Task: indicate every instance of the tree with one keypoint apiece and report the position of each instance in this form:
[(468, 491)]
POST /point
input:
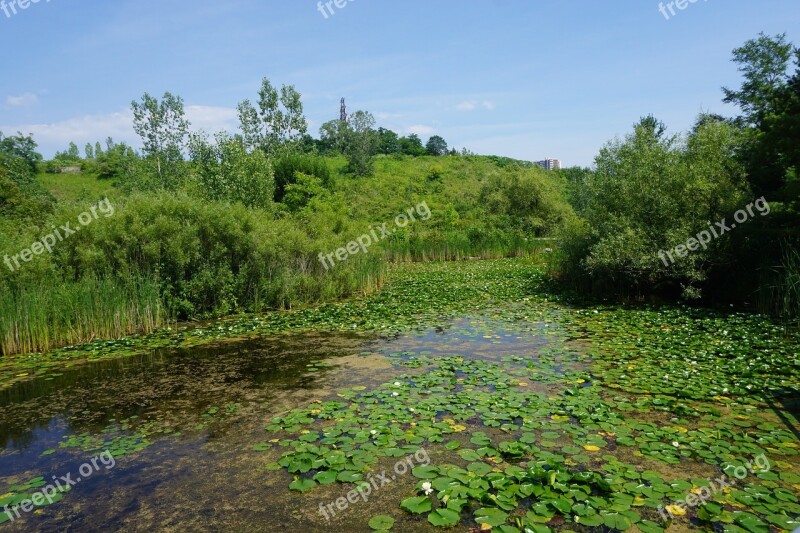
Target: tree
[(89, 151), (412, 145), (21, 146), (98, 150), (649, 194), (763, 62), (389, 142), (333, 136), (73, 153), (117, 163), (362, 143), (436, 146), (277, 123), (163, 127), (21, 195)]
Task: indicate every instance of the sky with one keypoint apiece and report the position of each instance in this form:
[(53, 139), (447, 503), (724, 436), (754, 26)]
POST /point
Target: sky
[(528, 79)]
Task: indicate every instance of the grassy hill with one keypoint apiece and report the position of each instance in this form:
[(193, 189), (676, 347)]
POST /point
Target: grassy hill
[(151, 257)]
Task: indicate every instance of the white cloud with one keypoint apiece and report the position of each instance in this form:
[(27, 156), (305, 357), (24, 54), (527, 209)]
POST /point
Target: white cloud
[(90, 128), (23, 100), (56, 136), (212, 119), (387, 116), (472, 105), (420, 129)]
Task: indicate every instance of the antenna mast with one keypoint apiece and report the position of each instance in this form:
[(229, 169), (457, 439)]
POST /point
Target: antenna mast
[(343, 112)]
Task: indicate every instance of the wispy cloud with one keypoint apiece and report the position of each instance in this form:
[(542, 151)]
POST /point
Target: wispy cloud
[(91, 128), (420, 129), (23, 100), (212, 119), (381, 115), (472, 105)]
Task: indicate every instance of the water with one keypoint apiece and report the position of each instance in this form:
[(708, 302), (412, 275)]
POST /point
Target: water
[(182, 425)]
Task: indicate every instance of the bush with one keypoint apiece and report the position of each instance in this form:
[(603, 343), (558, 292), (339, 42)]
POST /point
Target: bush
[(287, 168), (650, 193)]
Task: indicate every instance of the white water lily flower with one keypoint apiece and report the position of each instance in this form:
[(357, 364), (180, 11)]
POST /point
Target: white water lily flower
[(373, 432), (427, 488), (397, 383), (412, 409), (395, 394), (676, 444)]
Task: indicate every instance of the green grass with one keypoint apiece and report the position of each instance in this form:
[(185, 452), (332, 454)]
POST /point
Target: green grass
[(76, 187), (53, 314)]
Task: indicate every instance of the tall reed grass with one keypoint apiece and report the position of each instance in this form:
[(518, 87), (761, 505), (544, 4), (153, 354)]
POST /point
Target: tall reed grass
[(49, 315), (457, 247)]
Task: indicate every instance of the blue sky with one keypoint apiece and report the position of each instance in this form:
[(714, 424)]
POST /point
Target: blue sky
[(522, 78)]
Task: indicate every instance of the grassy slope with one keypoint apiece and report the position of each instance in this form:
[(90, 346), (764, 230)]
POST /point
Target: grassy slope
[(451, 186)]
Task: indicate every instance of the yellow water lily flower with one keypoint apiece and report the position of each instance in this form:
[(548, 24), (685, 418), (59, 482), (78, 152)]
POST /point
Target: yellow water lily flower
[(591, 448), (676, 510)]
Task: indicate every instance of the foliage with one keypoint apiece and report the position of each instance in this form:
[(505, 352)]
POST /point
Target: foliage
[(412, 145), (21, 146), (525, 201), (361, 143), (436, 146), (21, 197), (650, 193), (163, 128), (226, 170), (277, 123), (289, 166)]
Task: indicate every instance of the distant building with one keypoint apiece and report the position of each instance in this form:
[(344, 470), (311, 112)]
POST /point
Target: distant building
[(550, 164)]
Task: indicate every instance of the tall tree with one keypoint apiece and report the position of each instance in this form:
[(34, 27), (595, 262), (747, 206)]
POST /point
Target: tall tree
[(278, 123), (89, 151), (73, 152), (163, 127), (389, 141), (362, 143), (765, 99), (333, 136), (436, 146), (412, 145), (22, 146)]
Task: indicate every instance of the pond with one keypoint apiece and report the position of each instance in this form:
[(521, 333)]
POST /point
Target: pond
[(524, 415)]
